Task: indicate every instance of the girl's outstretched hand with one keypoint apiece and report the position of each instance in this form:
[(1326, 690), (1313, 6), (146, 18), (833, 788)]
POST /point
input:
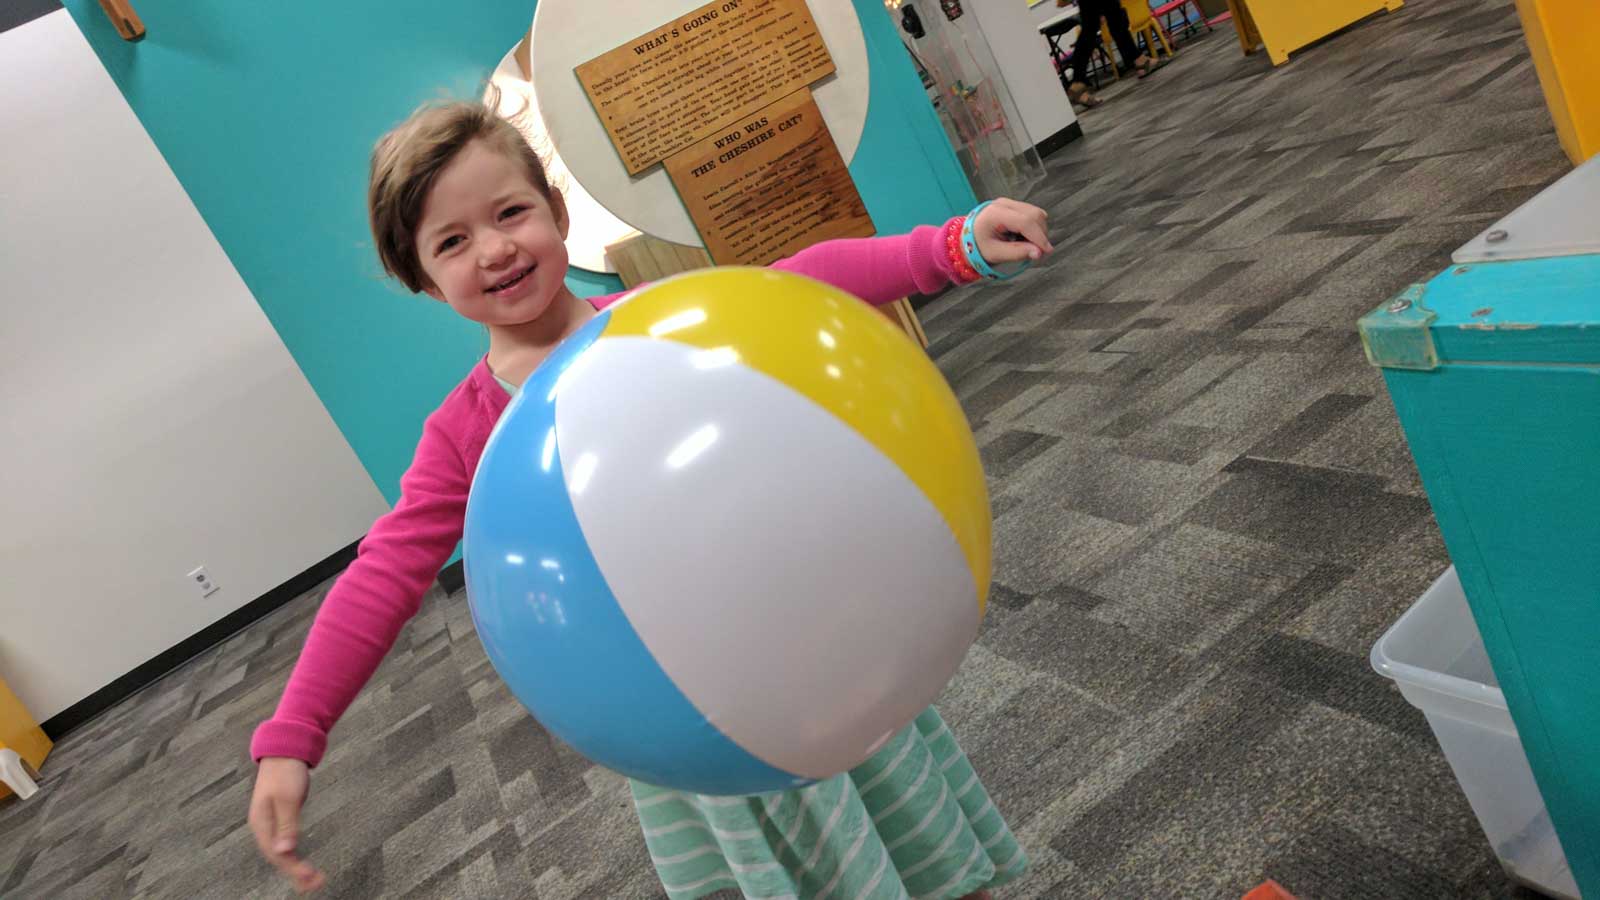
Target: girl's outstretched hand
[(281, 787), (1010, 231)]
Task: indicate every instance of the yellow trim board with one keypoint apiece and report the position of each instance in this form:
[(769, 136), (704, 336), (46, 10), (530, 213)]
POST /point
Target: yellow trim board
[(19, 732), (1284, 26), (1564, 40)]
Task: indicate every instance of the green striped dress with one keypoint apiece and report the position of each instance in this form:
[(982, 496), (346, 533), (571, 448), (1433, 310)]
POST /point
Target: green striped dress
[(912, 821)]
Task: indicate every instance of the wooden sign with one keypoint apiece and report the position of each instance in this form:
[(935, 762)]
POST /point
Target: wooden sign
[(770, 186), (700, 74)]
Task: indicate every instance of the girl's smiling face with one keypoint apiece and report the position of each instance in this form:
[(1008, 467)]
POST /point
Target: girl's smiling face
[(490, 242)]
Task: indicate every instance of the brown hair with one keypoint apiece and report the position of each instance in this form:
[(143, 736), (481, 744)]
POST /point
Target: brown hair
[(407, 161)]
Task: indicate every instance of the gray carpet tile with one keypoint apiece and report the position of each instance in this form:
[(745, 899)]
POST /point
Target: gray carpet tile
[(1205, 515)]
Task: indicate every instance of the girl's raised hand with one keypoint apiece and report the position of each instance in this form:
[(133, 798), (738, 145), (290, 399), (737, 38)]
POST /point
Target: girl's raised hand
[(1010, 231)]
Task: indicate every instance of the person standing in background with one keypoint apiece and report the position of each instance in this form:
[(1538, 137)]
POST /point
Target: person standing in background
[(1092, 12)]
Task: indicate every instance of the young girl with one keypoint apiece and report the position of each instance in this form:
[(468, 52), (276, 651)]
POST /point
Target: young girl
[(461, 210)]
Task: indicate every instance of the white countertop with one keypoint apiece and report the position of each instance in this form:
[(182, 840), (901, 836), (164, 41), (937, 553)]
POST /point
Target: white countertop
[(1066, 13)]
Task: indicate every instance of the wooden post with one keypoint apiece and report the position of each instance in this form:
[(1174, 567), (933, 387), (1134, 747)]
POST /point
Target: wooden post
[(643, 258), (127, 22), (901, 313)]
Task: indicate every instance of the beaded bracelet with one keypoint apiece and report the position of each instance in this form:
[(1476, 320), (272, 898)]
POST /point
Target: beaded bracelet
[(969, 243), (964, 272)]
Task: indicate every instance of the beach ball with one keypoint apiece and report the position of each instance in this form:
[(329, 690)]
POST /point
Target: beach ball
[(731, 536)]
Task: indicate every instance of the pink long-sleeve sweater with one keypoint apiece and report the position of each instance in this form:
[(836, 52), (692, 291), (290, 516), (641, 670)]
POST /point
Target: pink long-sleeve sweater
[(399, 558)]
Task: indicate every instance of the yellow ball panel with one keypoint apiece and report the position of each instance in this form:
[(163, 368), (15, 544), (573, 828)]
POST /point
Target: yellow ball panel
[(842, 355)]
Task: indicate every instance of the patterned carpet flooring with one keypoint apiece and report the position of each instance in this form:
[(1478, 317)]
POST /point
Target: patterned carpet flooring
[(1206, 515)]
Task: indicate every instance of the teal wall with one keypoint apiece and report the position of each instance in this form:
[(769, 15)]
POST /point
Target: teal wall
[(267, 111)]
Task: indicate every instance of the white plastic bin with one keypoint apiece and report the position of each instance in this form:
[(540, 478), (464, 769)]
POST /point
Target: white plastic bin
[(1436, 657)]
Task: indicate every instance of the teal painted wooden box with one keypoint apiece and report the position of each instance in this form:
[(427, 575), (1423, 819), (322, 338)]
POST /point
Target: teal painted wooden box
[(1494, 368)]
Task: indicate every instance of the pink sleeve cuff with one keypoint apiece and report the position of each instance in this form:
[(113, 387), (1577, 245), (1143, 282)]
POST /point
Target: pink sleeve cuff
[(296, 740), (929, 259)]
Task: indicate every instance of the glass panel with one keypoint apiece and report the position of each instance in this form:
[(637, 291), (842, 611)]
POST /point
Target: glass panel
[(1563, 220), (974, 103)]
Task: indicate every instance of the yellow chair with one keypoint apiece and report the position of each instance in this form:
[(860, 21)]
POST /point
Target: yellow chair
[(1140, 21), (22, 736)]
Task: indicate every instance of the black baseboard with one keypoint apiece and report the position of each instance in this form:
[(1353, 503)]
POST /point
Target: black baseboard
[(1060, 139), (210, 636), (453, 578)]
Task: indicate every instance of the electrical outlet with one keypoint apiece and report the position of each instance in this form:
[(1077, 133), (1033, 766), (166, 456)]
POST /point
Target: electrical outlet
[(202, 580)]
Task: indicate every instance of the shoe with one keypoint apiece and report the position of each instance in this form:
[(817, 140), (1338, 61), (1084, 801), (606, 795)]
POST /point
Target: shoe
[(1155, 63), (1083, 98)]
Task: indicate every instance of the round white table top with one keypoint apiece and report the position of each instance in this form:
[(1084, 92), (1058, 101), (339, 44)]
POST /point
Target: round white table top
[(567, 33)]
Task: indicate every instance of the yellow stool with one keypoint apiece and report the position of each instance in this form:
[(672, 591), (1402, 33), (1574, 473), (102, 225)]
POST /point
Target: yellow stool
[(20, 735)]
